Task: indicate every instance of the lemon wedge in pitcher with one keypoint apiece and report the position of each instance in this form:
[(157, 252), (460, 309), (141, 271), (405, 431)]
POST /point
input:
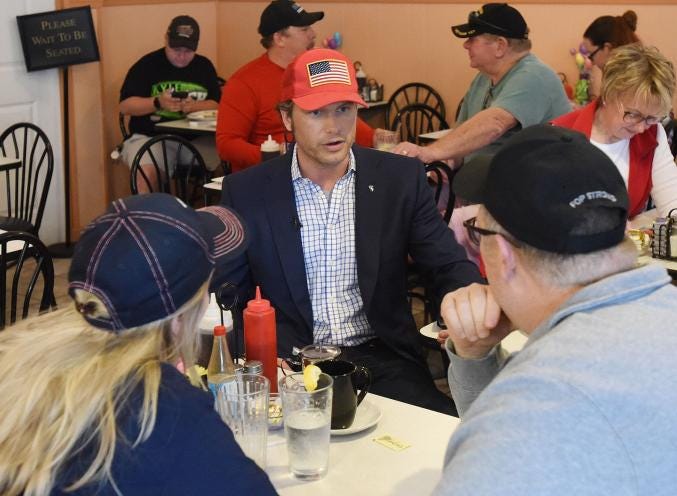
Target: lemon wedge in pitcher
[(310, 376)]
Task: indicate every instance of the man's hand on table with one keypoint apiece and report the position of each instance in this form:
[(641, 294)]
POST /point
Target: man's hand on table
[(475, 323)]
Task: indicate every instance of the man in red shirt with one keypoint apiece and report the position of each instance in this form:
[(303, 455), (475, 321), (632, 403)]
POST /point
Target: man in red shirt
[(248, 108)]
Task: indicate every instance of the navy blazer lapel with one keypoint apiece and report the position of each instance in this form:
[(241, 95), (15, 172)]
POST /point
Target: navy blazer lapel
[(285, 227), (369, 203)]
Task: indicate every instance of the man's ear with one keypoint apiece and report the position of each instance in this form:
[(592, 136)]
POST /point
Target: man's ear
[(279, 39), (507, 258), (286, 120), (502, 45)]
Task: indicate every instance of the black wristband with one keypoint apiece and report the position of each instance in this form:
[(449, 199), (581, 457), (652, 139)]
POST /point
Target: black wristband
[(156, 103)]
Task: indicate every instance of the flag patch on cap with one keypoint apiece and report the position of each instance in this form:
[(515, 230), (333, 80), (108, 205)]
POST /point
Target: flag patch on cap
[(328, 72)]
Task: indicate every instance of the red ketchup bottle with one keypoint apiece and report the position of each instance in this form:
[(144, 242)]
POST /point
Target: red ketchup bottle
[(260, 336)]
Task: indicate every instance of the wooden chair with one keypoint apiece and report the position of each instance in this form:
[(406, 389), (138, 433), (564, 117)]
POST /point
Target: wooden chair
[(411, 93), (188, 177), (26, 259), (26, 184), (413, 120)]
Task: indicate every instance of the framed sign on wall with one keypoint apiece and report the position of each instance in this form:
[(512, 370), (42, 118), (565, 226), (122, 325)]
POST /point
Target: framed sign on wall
[(58, 38)]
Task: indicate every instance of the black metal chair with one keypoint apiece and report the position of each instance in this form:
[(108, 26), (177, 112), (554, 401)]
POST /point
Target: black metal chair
[(440, 176), (411, 93), (26, 184), (458, 109), (123, 122), (416, 119), (190, 172), (26, 259), (420, 281), (670, 126)]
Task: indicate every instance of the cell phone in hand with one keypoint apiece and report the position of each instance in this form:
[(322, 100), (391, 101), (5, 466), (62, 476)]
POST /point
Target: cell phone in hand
[(182, 95)]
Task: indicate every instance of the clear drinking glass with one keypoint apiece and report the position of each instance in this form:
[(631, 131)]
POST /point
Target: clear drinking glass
[(243, 406), (307, 420)]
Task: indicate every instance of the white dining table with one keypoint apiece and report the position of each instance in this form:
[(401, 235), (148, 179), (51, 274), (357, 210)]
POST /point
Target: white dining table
[(360, 465), (187, 126)]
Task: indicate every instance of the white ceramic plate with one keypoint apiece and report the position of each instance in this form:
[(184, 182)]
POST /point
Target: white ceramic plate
[(202, 115), (431, 330), (367, 416)]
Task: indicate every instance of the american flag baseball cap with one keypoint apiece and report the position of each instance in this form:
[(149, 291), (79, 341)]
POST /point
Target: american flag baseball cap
[(320, 77), (148, 255)]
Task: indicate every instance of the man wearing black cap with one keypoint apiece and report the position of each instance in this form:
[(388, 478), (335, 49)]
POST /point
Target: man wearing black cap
[(167, 84), (248, 109), (513, 89), (588, 406)]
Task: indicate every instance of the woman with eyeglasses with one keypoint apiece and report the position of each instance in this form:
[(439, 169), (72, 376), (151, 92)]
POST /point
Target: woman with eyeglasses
[(625, 123), (91, 396), (607, 33)]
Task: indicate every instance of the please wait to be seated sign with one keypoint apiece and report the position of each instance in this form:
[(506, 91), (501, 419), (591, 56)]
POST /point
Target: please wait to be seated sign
[(58, 38)]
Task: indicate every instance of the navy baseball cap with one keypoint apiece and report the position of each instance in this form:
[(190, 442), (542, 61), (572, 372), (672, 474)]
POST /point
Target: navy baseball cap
[(544, 185), (148, 255)]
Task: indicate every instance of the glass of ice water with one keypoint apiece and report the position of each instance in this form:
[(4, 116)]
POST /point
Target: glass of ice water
[(307, 420), (243, 406)]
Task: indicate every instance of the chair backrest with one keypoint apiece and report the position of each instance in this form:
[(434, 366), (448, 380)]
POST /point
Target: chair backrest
[(123, 122), (412, 93), (670, 126), (440, 176), (416, 119), (24, 261), (190, 172), (27, 186), (458, 109)]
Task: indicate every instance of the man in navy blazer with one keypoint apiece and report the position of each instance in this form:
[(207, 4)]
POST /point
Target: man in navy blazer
[(331, 225)]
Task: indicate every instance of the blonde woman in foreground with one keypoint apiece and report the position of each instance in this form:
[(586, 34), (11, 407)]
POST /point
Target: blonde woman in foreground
[(625, 123), (97, 406)]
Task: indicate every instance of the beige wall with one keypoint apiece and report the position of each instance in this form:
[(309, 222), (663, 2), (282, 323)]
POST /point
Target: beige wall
[(396, 42), (399, 43)]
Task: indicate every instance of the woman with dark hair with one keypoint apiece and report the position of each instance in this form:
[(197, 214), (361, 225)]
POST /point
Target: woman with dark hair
[(609, 32)]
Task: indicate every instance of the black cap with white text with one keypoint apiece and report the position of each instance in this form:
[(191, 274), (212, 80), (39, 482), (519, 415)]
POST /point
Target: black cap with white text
[(545, 185)]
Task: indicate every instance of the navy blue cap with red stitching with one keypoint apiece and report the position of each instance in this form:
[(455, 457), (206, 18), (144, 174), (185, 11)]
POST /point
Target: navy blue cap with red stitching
[(148, 255)]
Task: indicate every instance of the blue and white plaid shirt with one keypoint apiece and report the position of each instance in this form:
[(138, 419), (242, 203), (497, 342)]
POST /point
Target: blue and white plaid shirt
[(328, 238)]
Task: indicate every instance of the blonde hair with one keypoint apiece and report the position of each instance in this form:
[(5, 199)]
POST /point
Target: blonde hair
[(63, 382), (565, 270), (641, 71)]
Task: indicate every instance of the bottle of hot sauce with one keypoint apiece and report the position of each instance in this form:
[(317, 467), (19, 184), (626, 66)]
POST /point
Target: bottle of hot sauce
[(260, 336)]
